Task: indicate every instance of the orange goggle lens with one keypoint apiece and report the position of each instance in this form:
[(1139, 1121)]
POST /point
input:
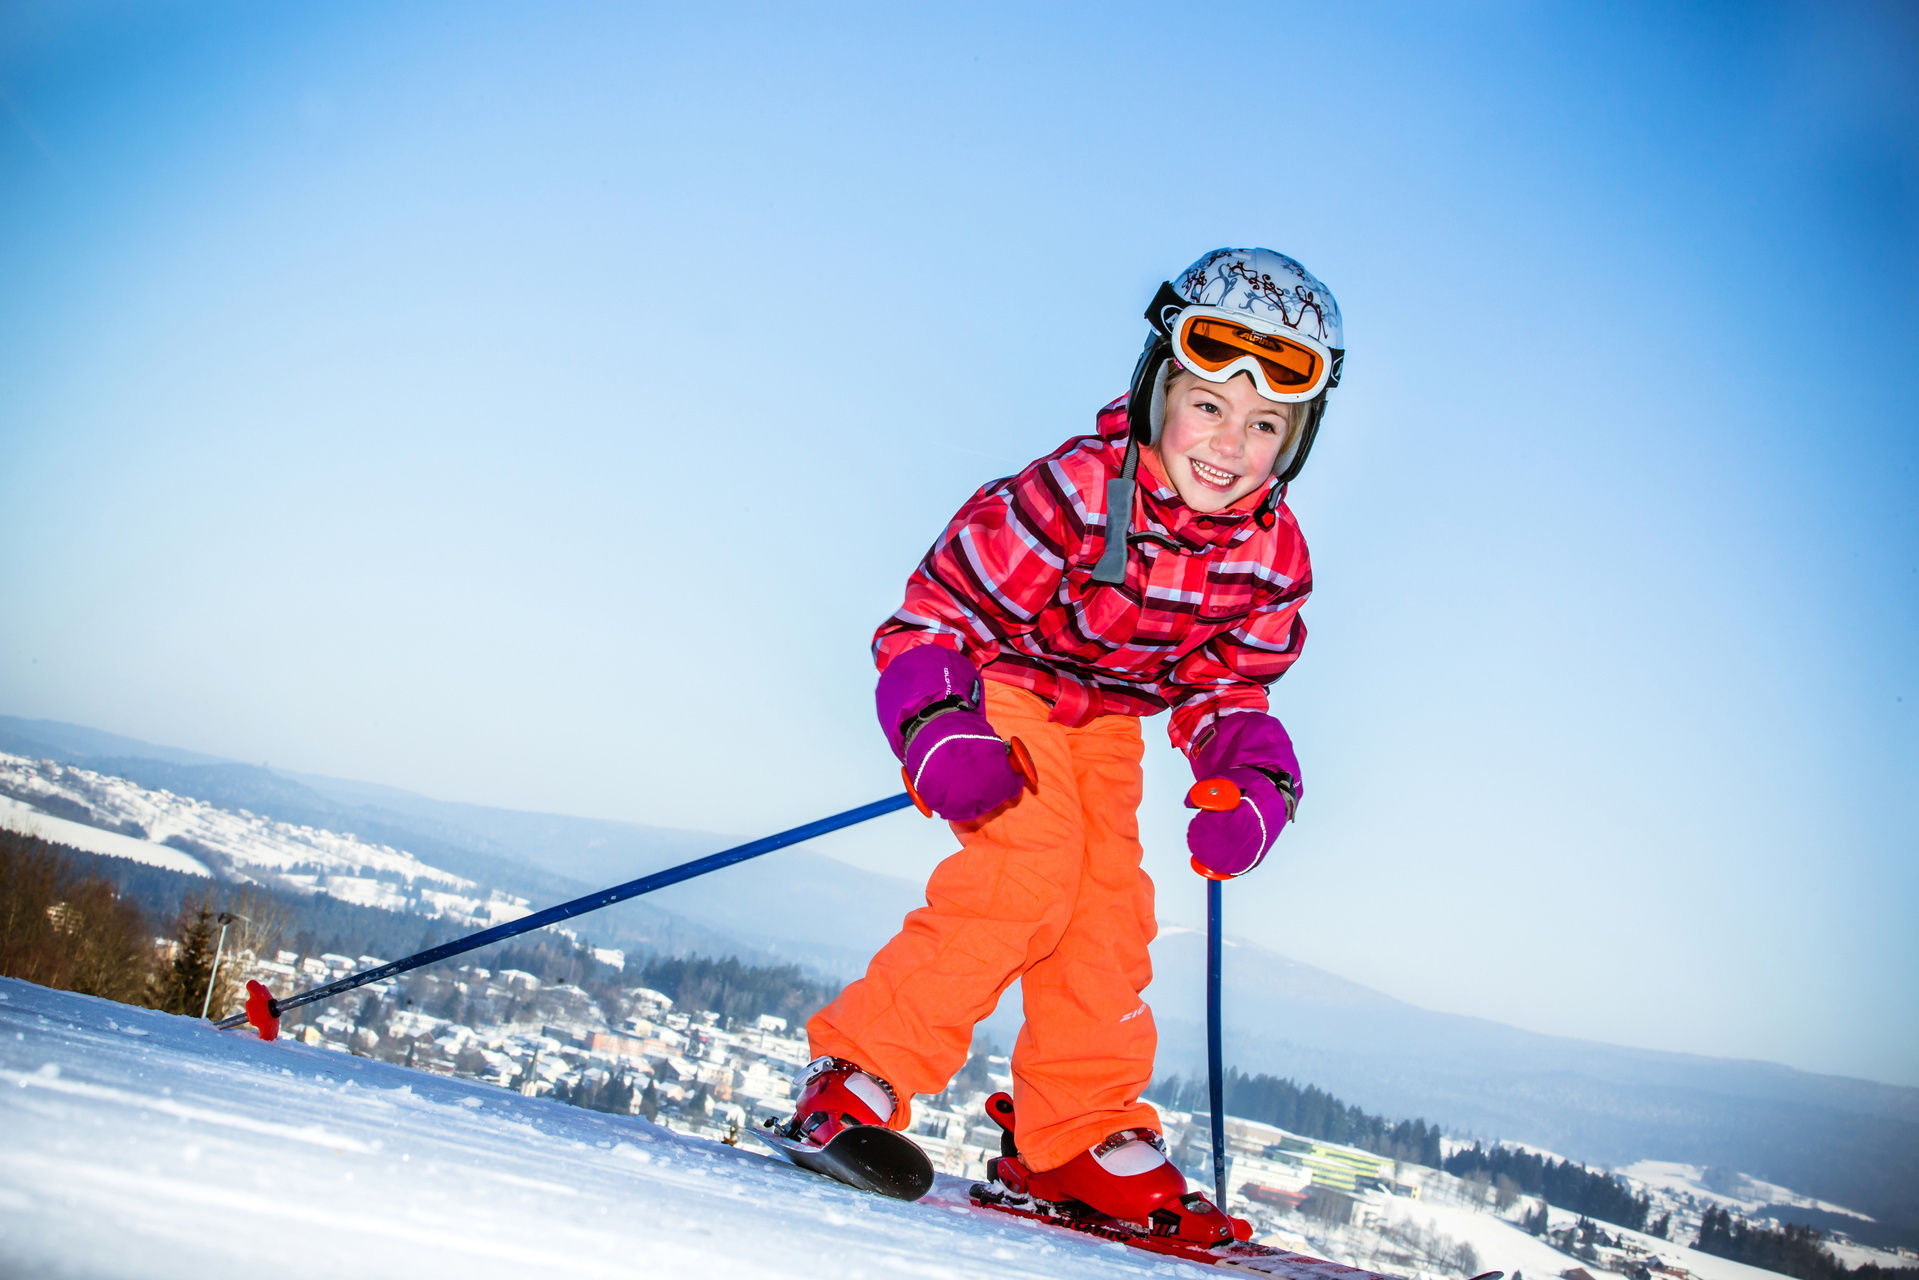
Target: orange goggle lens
[(1211, 344)]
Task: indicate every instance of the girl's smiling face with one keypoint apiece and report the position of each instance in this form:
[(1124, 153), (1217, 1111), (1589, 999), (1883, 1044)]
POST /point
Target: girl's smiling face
[(1220, 439)]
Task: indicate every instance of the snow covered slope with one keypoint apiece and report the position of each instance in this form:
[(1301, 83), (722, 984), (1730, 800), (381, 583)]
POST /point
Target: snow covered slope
[(127, 820), (17, 815), (143, 1145)]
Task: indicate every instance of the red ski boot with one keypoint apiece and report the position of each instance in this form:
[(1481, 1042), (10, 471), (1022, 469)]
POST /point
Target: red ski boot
[(1127, 1178), (835, 1095), (838, 1128)]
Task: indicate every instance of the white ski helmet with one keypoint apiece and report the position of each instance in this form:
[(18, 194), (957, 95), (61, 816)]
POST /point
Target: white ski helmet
[(1268, 301)]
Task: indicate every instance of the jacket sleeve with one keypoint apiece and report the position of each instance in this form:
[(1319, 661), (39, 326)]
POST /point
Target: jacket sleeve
[(1231, 670), (996, 566)]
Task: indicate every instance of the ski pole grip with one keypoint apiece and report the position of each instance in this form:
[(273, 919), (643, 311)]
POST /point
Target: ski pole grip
[(1216, 795), (263, 1011), (1022, 760), (913, 793)]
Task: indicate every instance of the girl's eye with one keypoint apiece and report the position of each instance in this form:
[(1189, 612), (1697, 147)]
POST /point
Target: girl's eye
[(1270, 428)]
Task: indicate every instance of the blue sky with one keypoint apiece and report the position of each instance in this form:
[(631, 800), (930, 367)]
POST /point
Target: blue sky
[(541, 407)]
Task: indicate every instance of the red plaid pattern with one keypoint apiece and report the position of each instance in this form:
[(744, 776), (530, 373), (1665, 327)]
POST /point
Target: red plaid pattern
[(1207, 618)]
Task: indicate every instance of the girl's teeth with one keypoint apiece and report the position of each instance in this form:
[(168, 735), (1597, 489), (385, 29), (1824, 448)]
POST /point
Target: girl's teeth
[(1212, 473)]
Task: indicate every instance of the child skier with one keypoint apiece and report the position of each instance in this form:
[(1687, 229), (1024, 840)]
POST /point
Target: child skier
[(1153, 564)]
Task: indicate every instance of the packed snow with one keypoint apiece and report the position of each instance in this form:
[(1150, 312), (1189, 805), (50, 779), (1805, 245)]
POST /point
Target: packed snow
[(145, 1145)]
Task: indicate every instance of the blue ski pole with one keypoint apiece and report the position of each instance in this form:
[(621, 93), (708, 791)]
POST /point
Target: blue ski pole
[(263, 1011), (1215, 1077), (1221, 796)]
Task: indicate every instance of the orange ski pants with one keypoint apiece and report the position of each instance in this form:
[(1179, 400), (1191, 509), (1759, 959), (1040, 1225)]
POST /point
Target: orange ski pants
[(1048, 890)]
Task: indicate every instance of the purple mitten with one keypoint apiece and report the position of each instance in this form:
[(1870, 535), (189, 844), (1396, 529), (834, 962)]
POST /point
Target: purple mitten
[(1251, 750), (928, 702)]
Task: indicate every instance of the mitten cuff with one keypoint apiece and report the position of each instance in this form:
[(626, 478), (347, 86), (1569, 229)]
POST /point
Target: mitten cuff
[(915, 680), (1245, 739)]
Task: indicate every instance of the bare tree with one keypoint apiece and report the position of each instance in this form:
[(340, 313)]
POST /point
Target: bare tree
[(109, 954), (61, 929)]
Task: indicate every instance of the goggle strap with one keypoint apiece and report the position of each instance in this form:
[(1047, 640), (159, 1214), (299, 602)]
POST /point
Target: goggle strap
[(1168, 302)]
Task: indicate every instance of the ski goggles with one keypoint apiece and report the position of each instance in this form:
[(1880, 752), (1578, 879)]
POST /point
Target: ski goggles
[(1214, 344)]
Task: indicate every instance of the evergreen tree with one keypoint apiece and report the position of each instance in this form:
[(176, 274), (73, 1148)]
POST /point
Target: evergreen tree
[(734, 989), (1794, 1250), (1310, 1112), (183, 984), (1563, 1183), (617, 1097), (650, 1102)]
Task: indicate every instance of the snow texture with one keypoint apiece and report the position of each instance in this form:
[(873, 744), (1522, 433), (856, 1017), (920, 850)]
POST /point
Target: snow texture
[(139, 1144)]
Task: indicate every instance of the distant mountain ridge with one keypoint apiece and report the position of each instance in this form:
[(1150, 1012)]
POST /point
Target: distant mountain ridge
[(1851, 1141), (546, 857)]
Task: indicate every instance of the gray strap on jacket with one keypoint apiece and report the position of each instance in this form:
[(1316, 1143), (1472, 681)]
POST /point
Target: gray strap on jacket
[(1111, 568)]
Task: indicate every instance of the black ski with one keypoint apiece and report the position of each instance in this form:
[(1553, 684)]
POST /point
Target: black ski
[(864, 1156)]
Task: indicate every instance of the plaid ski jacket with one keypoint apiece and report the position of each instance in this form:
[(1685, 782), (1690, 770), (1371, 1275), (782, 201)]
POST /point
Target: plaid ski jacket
[(1207, 618)]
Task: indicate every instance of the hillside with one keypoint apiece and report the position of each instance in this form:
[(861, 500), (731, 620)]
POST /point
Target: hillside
[(215, 1153), (1850, 1141), (218, 1154)]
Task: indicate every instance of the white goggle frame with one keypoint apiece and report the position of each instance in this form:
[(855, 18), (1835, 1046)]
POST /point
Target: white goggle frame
[(1249, 364)]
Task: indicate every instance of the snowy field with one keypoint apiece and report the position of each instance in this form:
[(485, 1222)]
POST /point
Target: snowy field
[(247, 846), (16, 816), (1751, 1201), (138, 1144)]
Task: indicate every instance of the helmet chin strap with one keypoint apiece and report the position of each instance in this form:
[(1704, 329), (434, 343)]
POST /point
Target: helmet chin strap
[(1111, 568), (1145, 416)]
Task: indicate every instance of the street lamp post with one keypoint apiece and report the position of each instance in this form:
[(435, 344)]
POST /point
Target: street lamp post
[(213, 975)]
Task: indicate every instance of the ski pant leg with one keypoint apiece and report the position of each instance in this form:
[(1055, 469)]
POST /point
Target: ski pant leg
[(992, 910), (1086, 1051)]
